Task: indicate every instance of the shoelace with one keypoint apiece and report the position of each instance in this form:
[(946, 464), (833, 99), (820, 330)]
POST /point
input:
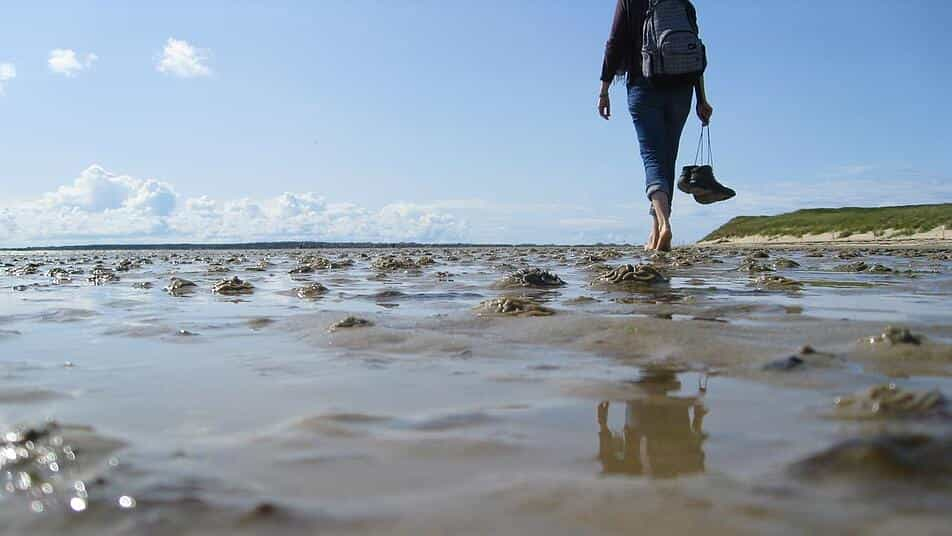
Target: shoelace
[(699, 154)]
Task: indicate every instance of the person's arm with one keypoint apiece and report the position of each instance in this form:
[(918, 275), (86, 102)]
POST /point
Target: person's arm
[(602, 416), (605, 443), (704, 108), (616, 49)]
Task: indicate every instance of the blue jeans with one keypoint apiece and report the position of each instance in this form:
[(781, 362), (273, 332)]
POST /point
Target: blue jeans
[(659, 115)]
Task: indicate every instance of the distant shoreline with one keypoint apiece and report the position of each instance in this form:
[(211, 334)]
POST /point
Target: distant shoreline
[(742, 242), (294, 245)]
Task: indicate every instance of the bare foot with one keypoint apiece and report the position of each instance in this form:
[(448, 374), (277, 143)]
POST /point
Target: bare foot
[(652, 242), (661, 203), (664, 238)]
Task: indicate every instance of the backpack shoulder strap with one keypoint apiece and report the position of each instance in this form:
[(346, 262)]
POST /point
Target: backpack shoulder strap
[(692, 14)]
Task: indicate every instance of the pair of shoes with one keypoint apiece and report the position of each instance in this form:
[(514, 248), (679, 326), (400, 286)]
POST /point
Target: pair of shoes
[(699, 181)]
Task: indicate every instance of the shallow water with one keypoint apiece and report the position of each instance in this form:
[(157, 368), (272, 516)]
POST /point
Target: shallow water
[(205, 413)]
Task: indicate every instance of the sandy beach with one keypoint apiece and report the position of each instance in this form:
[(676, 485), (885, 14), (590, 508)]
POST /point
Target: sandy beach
[(938, 237), (716, 389)]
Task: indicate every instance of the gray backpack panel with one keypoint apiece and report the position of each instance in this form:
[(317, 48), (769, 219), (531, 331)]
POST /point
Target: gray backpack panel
[(672, 49)]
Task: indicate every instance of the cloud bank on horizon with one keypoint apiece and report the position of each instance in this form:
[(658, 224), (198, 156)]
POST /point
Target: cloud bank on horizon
[(100, 206)]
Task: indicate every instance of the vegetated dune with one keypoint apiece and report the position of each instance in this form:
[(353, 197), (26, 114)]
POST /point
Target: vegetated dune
[(848, 224)]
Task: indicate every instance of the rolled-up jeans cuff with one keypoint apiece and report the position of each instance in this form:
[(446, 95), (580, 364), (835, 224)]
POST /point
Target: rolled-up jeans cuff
[(650, 191)]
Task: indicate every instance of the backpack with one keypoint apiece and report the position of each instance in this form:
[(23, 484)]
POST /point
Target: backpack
[(672, 52)]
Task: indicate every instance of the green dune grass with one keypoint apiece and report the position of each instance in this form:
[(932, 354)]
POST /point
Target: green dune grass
[(847, 221)]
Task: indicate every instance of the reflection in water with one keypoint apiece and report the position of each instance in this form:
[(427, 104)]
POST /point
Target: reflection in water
[(663, 433)]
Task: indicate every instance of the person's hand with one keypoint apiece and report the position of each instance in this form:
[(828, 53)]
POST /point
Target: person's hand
[(604, 106), (704, 112)]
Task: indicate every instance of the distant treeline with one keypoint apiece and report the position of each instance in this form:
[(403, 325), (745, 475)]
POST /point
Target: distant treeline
[(290, 245), (899, 221)]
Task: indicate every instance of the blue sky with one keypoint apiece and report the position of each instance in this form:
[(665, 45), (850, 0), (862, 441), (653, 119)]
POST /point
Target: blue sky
[(443, 120)]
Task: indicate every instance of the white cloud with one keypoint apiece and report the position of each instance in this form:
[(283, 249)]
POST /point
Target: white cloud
[(65, 61), (97, 190), (102, 206), (181, 59), (8, 72)]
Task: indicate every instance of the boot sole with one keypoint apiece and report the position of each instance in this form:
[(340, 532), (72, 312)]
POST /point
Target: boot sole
[(712, 197)]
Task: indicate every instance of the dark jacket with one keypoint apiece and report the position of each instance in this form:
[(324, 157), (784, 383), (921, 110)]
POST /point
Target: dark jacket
[(623, 49)]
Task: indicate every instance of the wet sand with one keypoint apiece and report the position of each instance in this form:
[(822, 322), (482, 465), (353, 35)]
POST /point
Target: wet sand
[(442, 391)]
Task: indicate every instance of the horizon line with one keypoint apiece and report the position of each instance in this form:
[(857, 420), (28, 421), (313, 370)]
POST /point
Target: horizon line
[(296, 244)]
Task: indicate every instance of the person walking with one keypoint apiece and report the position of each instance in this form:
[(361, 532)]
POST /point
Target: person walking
[(655, 46)]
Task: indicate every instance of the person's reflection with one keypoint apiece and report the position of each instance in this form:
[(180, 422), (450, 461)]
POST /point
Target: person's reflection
[(663, 433)]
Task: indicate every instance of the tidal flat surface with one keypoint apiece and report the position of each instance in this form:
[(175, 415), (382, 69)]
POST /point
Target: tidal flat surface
[(544, 390)]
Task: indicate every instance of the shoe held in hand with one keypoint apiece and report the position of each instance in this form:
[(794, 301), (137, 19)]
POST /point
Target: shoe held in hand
[(699, 181)]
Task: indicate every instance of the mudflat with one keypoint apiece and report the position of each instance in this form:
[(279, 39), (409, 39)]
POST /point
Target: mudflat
[(542, 390)]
